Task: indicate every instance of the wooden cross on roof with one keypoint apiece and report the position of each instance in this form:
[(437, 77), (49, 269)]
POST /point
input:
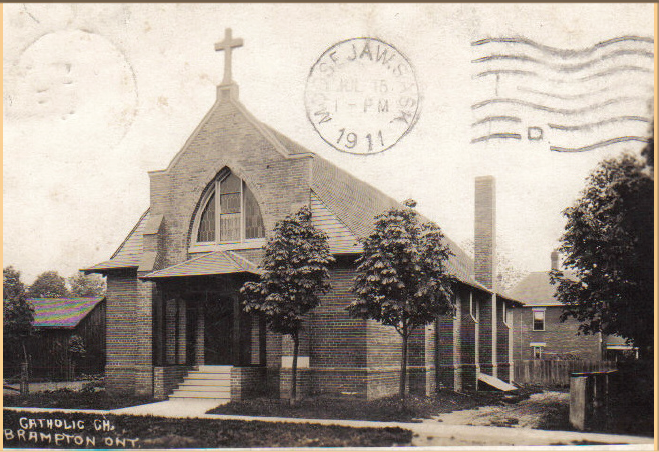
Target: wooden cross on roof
[(227, 45)]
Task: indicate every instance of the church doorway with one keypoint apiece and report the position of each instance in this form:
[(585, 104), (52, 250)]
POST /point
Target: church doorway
[(218, 330)]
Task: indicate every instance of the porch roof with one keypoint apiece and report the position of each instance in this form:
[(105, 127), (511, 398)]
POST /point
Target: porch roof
[(214, 263)]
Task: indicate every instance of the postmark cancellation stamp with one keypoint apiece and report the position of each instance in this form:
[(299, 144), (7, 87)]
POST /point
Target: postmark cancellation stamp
[(362, 96)]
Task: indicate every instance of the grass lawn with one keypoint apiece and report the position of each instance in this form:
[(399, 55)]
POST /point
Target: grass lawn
[(65, 398), (385, 409), (156, 432)]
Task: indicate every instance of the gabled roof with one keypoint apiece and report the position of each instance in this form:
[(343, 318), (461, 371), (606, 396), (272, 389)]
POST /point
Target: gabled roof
[(535, 289), (214, 263), (341, 240), (129, 254), (356, 203), (343, 205), (62, 312)]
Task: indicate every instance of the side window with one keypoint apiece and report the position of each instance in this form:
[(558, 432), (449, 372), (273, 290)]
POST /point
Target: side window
[(473, 307), (537, 351), (538, 320)]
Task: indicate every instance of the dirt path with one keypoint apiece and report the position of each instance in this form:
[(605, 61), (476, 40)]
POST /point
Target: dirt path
[(529, 413)]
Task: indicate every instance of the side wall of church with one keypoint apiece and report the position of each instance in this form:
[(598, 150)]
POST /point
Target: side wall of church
[(337, 340)]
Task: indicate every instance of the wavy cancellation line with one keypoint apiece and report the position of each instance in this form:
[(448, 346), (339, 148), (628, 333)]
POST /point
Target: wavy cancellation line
[(600, 144), (592, 125), (564, 53), (585, 78), (562, 111), (497, 118), (618, 87), (500, 135), (567, 68)]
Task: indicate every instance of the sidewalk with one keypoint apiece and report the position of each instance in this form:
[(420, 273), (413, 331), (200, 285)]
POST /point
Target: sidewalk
[(427, 433)]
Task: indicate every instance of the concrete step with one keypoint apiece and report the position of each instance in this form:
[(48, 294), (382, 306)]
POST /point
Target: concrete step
[(206, 382), (199, 374), (185, 394), (218, 400), (190, 386), (214, 369)]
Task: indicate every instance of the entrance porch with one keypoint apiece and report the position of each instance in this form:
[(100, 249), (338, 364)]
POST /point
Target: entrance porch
[(199, 326)]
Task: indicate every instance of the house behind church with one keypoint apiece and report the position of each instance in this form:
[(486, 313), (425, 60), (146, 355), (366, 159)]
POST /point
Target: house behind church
[(541, 335), (173, 309)]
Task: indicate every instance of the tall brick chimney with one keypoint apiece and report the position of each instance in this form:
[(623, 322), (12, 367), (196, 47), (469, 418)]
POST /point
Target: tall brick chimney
[(554, 260), (484, 231), (485, 270)]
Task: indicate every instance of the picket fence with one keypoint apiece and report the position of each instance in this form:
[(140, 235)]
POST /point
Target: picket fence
[(556, 372)]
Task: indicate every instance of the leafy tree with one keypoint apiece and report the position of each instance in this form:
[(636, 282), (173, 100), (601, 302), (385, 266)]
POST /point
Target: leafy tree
[(295, 273), (48, 285), (17, 320), (402, 279), (86, 285), (608, 245)]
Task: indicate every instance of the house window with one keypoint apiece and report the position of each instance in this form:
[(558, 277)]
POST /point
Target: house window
[(230, 214), (537, 351), (538, 320)]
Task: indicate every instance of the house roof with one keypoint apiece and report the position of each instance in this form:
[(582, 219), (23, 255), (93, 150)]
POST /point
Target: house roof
[(214, 263), (62, 312), (535, 289)]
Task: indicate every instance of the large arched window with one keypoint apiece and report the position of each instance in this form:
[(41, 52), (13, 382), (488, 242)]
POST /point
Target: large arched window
[(230, 213)]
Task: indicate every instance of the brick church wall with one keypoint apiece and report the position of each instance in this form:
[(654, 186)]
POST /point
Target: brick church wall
[(503, 338), (122, 343), (337, 340), (225, 139)]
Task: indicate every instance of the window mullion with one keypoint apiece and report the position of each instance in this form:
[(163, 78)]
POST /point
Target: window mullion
[(218, 214), (242, 211)]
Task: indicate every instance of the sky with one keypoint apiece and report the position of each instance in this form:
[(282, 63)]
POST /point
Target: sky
[(97, 95)]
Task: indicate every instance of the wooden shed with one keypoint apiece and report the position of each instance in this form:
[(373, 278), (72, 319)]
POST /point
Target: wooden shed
[(69, 337)]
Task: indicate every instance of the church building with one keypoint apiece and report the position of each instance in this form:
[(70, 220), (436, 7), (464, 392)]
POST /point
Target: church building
[(175, 327)]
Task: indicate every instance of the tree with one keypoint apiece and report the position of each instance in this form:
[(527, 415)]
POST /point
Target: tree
[(86, 285), (295, 274), (402, 279), (48, 285), (17, 320), (608, 245)]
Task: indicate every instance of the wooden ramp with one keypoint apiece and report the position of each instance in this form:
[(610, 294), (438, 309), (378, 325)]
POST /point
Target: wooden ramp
[(495, 382)]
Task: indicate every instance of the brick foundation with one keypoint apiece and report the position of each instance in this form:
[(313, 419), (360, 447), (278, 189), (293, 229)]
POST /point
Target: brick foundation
[(247, 382), (166, 379)]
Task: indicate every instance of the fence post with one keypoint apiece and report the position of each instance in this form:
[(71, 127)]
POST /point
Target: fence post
[(25, 385)]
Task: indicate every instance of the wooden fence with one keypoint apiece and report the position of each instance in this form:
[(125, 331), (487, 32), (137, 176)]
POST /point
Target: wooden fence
[(555, 372)]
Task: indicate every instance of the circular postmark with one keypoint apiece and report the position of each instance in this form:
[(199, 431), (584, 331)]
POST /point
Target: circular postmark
[(362, 96)]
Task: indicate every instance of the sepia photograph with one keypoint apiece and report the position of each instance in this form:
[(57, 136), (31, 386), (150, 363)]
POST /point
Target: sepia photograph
[(360, 225)]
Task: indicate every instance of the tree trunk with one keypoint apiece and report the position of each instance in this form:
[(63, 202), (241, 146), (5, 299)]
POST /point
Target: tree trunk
[(25, 386), (296, 348), (403, 366)]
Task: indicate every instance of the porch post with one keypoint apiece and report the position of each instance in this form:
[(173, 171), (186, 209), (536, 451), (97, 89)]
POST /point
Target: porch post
[(182, 332), (235, 349), (199, 349)]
